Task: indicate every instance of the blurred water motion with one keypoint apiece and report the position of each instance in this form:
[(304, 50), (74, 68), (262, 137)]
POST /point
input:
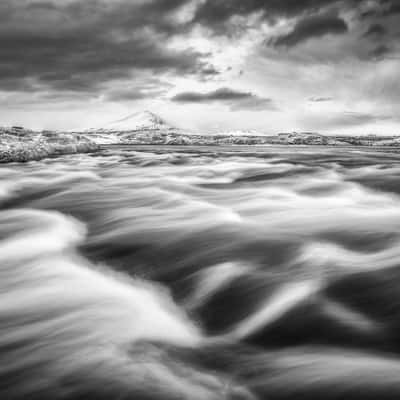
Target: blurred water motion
[(201, 273)]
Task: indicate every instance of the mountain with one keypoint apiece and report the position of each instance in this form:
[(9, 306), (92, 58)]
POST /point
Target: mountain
[(140, 128), (142, 121), (148, 128)]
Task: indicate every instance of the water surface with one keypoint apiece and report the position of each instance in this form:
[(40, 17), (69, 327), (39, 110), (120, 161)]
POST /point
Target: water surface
[(144, 272)]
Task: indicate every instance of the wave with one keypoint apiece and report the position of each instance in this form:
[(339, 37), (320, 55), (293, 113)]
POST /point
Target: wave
[(75, 324)]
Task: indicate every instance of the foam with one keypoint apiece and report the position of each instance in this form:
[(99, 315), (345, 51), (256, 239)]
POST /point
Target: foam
[(64, 314)]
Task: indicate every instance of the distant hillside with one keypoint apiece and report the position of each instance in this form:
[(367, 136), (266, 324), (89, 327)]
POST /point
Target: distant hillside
[(307, 138), (148, 128), (20, 144), (240, 132)]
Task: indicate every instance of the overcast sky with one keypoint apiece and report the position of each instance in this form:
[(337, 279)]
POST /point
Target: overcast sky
[(272, 65)]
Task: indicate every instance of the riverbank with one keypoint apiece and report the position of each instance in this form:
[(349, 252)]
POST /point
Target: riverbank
[(20, 145)]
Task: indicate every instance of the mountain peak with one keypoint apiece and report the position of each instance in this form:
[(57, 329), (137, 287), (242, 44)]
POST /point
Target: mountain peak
[(144, 120), (145, 116)]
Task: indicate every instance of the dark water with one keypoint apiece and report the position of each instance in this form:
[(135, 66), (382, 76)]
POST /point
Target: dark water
[(201, 273)]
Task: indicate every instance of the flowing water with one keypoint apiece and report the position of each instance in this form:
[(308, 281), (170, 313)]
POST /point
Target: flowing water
[(201, 273)]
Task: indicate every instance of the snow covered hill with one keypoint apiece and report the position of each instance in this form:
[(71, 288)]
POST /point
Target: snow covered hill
[(240, 132), (142, 121), (143, 127)]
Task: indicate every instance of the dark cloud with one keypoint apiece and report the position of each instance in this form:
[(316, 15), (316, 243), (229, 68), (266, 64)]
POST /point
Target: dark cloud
[(213, 13), (383, 8), (222, 94), (310, 19), (151, 88), (128, 95), (351, 118), (312, 27), (320, 99), (234, 98), (79, 45), (375, 30), (379, 52), (390, 7)]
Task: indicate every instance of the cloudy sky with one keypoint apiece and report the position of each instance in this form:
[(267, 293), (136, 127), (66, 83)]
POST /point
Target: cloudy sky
[(331, 66)]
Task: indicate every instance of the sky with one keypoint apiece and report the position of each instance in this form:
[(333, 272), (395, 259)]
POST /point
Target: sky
[(328, 66)]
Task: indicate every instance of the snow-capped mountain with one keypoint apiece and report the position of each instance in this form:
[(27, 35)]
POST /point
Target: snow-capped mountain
[(142, 121), (142, 127)]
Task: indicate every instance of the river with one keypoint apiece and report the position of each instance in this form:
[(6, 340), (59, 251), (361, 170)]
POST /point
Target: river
[(156, 272)]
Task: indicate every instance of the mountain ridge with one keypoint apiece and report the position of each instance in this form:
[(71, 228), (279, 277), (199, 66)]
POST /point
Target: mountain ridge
[(146, 127)]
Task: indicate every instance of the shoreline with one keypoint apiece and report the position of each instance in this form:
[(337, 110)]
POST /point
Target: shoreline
[(25, 146)]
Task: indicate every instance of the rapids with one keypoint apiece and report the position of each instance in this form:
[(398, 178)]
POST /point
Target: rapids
[(145, 272)]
